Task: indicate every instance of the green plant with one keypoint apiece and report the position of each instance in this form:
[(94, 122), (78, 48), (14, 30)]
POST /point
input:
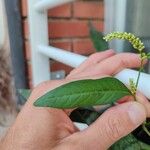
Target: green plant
[(88, 93), (84, 93), (97, 39)]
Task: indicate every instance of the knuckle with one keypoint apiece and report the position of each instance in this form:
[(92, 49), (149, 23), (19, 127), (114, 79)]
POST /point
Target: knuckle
[(40, 86), (43, 87), (71, 74), (114, 128), (36, 92), (123, 63), (112, 50), (123, 59), (93, 56)]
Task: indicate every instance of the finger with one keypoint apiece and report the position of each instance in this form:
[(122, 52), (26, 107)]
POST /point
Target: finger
[(116, 63), (144, 101), (114, 124), (125, 99), (120, 101), (93, 59), (113, 65)]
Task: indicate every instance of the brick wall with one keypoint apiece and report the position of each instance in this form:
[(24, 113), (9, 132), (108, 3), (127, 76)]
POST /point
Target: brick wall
[(68, 29)]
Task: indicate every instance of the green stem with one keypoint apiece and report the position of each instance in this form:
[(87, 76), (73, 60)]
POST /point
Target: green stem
[(145, 129), (134, 97), (140, 70), (137, 81)]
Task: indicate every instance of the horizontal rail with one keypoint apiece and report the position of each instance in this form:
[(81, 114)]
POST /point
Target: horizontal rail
[(47, 4), (80, 126), (143, 86), (74, 60), (68, 58)]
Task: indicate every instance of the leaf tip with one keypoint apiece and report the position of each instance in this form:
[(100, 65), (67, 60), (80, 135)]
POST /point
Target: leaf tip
[(36, 103)]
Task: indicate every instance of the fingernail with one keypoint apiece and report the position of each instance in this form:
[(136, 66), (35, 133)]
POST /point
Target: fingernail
[(137, 113)]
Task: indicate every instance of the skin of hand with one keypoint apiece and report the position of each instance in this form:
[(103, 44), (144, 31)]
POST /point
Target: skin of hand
[(51, 129)]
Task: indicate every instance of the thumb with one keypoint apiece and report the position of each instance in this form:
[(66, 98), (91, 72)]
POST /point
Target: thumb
[(114, 124)]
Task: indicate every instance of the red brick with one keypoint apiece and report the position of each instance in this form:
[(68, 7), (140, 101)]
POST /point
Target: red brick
[(55, 66), (63, 28), (66, 28), (29, 70), (25, 29), (24, 8), (83, 46), (99, 25), (88, 9), (31, 84), (27, 50), (63, 11), (66, 45)]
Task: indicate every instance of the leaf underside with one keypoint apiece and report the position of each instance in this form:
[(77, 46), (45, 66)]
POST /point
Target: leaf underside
[(84, 93)]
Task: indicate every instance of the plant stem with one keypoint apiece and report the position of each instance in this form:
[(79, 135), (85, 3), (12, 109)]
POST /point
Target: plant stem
[(145, 129), (136, 86), (140, 70), (134, 97)]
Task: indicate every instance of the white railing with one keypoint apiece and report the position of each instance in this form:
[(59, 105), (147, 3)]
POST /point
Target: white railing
[(41, 51), (65, 57), (48, 4)]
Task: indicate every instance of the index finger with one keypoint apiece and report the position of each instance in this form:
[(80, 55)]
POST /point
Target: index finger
[(114, 64), (119, 62)]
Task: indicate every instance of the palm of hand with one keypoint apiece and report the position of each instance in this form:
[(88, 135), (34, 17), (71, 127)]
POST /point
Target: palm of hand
[(52, 125)]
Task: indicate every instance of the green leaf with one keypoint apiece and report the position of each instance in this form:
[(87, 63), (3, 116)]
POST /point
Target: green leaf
[(148, 55), (97, 38), (129, 143), (25, 93), (84, 93)]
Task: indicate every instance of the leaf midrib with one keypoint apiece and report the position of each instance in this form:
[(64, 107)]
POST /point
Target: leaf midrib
[(84, 93)]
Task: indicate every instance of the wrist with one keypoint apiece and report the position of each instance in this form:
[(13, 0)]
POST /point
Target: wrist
[(5, 143)]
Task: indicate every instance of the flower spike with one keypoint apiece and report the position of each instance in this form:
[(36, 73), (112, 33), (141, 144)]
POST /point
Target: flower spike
[(135, 41)]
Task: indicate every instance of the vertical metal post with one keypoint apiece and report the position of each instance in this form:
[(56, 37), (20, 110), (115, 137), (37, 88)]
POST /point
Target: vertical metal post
[(16, 42), (38, 29)]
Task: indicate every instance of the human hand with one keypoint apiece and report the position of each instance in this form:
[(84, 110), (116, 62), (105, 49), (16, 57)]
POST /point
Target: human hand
[(49, 128)]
